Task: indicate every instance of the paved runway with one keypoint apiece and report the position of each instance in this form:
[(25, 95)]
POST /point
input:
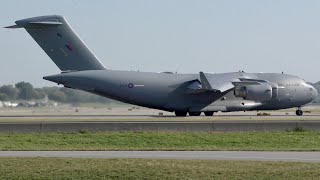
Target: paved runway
[(201, 155), (219, 116), (153, 118), (183, 126), (127, 113)]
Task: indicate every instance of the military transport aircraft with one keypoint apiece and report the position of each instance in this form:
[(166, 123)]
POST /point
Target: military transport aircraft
[(180, 93)]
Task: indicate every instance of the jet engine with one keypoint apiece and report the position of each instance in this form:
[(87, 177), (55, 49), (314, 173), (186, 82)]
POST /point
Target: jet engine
[(256, 92)]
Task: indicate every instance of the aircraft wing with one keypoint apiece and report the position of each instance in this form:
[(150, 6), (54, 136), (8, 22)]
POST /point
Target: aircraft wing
[(203, 85), (219, 85)]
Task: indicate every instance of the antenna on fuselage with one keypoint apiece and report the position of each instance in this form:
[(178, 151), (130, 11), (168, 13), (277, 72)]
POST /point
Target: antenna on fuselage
[(177, 69)]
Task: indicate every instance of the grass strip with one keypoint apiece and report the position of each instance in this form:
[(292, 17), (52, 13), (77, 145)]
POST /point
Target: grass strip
[(251, 141), (67, 168)]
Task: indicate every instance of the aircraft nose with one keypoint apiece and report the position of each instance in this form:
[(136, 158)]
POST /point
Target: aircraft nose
[(314, 93)]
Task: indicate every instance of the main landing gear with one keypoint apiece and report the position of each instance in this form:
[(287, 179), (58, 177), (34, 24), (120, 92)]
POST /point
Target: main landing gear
[(184, 113), (208, 113), (299, 112), (194, 113), (181, 113)]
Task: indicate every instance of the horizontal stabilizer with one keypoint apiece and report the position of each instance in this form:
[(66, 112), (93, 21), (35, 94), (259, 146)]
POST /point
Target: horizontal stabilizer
[(13, 27), (30, 24)]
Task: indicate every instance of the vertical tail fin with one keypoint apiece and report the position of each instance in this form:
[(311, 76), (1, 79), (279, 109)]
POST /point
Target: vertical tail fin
[(55, 36)]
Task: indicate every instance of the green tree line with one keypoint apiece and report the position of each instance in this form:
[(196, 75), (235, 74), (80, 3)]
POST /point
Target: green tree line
[(25, 91)]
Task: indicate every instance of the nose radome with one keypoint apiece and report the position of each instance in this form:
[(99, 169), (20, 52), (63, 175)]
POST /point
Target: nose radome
[(315, 93)]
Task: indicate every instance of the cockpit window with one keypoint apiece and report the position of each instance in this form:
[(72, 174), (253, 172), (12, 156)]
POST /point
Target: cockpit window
[(310, 89)]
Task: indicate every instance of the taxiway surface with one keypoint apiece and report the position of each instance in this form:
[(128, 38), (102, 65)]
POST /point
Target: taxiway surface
[(147, 117), (182, 126), (203, 155)]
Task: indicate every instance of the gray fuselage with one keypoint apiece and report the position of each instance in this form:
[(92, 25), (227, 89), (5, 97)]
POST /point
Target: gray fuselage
[(166, 91)]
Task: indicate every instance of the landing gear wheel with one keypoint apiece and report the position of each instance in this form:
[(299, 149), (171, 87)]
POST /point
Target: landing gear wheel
[(208, 113), (181, 113), (194, 113), (299, 112)]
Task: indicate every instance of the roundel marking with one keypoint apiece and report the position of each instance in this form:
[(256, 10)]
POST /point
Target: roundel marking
[(130, 85)]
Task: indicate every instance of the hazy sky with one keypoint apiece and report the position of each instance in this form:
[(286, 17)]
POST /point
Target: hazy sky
[(187, 36)]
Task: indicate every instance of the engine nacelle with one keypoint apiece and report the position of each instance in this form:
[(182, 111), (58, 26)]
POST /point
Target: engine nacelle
[(275, 89), (259, 92)]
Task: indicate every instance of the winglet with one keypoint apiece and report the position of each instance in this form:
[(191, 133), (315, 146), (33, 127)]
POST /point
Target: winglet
[(204, 82), (13, 27)]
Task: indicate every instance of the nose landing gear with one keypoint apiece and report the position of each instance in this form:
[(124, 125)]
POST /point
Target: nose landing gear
[(194, 113), (299, 112)]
